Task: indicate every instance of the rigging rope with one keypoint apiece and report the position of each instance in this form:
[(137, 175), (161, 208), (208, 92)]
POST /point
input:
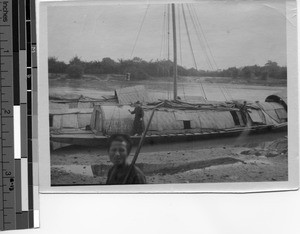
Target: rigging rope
[(188, 35), (209, 49), (183, 91), (163, 32), (140, 29), (205, 47), (199, 38), (203, 35), (179, 33), (223, 93), (190, 43), (169, 31)]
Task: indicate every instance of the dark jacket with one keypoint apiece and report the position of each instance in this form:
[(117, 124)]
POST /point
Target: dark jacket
[(139, 113), (138, 124), (116, 175)]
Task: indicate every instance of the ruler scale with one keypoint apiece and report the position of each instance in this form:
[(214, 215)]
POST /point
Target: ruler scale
[(18, 190), (7, 127)]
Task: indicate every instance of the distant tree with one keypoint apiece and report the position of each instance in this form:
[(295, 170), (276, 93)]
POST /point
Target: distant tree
[(93, 67), (75, 71), (109, 66), (282, 73), (264, 75), (137, 60), (193, 71), (55, 66), (246, 73), (271, 64), (141, 69), (76, 67), (76, 61), (272, 68), (233, 72)]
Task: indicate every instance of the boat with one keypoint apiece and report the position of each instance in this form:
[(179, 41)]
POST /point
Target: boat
[(173, 120)]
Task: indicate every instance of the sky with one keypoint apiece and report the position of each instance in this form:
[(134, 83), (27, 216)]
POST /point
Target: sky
[(237, 33)]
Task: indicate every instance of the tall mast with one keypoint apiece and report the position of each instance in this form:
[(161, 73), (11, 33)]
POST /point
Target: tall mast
[(175, 52)]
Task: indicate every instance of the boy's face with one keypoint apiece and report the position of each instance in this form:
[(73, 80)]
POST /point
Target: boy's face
[(118, 153)]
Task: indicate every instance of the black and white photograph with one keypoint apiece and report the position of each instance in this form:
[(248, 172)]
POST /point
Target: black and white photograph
[(174, 93)]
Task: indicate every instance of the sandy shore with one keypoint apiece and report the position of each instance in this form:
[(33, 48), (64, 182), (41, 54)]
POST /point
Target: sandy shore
[(215, 161)]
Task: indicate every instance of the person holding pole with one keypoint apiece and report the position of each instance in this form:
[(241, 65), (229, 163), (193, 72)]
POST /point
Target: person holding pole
[(138, 124), (119, 147)]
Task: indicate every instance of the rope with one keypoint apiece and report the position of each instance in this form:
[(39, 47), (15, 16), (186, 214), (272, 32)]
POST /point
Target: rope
[(140, 29), (223, 93), (183, 91), (168, 31), (206, 48), (189, 39), (203, 35), (179, 33), (199, 38), (163, 32)]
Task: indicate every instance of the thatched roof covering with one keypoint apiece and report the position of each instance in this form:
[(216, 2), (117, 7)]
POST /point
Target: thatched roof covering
[(133, 94)]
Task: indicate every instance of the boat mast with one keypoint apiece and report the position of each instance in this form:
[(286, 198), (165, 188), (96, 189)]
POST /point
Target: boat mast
[(174, 52)]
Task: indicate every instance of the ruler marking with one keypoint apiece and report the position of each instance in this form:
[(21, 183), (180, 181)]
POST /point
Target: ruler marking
[(18, 185), (8, 39), (24, 130), (22, 77), (16, 90), (22, 24), (24, 183), (28, 5), (28, 30), (17, 132), (15, 24)]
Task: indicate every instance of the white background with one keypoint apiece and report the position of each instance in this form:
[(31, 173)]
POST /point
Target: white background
[(274, 213), (265, 213)]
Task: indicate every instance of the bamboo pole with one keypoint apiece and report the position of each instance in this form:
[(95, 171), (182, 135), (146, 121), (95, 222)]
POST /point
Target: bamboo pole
[(139, 146)]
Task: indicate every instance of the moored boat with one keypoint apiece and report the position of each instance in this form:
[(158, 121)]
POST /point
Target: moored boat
[(173, 121)]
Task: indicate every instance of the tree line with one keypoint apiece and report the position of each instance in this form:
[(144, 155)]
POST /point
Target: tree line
[(140, 69)]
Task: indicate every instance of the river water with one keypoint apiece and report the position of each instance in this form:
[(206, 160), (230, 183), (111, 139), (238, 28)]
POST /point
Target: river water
[(95, 88)]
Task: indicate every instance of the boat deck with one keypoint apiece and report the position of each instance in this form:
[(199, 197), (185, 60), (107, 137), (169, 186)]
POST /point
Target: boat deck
[(88, 138)]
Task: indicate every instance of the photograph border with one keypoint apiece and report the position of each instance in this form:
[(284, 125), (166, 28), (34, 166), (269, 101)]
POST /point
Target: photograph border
[(43, 150)]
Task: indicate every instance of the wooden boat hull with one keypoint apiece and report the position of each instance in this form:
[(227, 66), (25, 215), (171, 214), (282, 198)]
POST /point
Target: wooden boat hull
[(88, 138)]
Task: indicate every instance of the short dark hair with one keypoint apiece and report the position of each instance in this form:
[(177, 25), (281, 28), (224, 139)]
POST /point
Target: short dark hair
[(121, 138)]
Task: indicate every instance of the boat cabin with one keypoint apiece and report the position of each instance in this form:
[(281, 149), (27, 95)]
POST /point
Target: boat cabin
[(107, 120)]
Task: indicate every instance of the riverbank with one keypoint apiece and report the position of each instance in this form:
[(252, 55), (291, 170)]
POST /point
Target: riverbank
[(93, 87), (225, 162), (181, 79)]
